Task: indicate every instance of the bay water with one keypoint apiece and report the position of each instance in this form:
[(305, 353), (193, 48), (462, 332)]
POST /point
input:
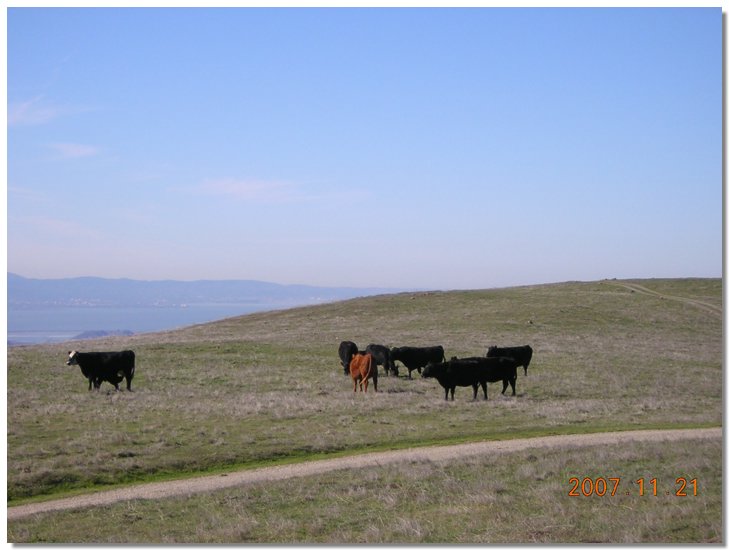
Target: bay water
[(36, 325)]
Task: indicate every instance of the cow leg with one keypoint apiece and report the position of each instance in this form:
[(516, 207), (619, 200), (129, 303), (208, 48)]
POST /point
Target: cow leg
[(485, 393), (506, 384), (90, 382), (475, 392), (513, 386)]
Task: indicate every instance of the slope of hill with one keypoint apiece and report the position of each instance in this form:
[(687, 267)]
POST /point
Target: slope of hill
[(268, 386)]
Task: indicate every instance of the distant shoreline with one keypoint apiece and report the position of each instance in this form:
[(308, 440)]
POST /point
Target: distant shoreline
[(57, 310), (57, 324)]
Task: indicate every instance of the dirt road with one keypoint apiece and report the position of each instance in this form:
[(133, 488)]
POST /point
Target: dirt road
[(222, 481), (709, 308)]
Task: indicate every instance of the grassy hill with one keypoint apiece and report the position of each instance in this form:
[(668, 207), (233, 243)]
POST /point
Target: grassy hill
[(269, 386)]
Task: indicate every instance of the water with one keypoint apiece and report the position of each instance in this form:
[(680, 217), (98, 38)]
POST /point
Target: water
[(58, 324)]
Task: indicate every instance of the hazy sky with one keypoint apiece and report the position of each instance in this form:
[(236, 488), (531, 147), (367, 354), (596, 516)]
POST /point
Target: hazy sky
[(464, 148)]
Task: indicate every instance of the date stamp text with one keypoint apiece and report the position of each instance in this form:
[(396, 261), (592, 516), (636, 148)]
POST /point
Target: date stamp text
[(614, 486)]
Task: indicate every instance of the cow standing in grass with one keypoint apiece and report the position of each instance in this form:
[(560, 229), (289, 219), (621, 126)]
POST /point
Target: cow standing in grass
[(473, 371), (346, 350), (416, 358), (381, 355), (105, 366), (495, 369), (362, 368), (521, 354)]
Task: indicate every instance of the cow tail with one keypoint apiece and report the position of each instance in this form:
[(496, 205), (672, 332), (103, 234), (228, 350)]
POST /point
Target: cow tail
[(369, 369), (368, 376)]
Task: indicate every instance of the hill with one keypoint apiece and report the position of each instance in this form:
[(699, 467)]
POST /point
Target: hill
[(96, 291), (268, 386)]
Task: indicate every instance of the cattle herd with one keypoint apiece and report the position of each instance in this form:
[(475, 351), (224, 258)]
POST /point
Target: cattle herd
[(499, 365)]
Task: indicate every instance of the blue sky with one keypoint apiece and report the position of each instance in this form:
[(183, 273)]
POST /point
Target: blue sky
[(438, 148)]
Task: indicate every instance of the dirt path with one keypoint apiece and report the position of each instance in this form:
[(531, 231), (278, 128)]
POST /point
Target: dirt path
[(273, 473), (710, 308)]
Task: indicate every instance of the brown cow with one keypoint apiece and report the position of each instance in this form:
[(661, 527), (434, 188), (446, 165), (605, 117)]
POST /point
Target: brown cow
[(362, 367)]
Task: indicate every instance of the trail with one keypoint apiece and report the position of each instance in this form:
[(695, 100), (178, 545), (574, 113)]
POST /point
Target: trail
[(201, 484), (710, 308)]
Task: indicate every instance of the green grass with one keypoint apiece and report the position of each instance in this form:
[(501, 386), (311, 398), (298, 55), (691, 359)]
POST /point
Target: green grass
[(520, 497), (268, 386)]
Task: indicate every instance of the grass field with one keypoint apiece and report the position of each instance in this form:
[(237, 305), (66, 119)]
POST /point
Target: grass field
[(266, 387), (514, 498)]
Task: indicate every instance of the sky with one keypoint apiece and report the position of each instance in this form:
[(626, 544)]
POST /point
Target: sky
[(406, 148)]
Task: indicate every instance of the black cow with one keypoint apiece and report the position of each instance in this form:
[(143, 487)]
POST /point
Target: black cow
[(105, 366), (472, 372), (416, 358), (381, 355), (496, 368), (346, 350), (521, 354), (474, 360)]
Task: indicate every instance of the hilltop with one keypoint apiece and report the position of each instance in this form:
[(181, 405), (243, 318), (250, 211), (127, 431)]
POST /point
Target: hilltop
[(97, 291)]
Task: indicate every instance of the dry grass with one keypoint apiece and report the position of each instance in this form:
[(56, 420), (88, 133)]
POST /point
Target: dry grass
[(517, 497), (269, 386)]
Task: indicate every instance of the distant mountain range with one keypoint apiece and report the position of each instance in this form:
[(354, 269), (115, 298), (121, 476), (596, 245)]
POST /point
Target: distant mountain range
[(99, 292)]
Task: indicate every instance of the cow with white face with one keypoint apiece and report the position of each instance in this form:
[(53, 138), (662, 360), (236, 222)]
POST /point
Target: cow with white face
[(105, 366)]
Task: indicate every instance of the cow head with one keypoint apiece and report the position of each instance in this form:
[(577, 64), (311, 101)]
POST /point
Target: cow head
[(394, 354), (72, 358), (429, 370)]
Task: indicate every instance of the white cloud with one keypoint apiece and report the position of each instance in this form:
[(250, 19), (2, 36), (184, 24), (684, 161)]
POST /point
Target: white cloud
[(74, 150), (38, 110), (32, 112), (276, 191), (251, 190)]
